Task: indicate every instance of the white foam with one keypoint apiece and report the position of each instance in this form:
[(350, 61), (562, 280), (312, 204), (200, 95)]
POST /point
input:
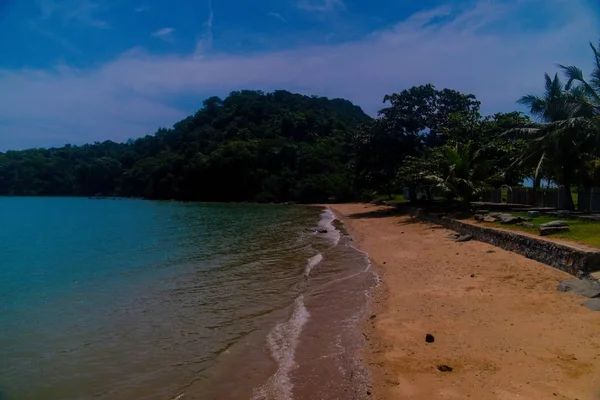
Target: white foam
[(312, 262), (283, 341), (326, 222)]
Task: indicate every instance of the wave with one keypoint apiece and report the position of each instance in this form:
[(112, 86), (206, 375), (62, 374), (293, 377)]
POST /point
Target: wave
[(312, 262), (326, 222), (282, 342)]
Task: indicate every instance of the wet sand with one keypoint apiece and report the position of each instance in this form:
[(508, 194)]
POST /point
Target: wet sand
[(496, 316)]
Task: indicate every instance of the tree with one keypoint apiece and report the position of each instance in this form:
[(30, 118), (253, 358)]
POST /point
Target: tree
[(561, 137), (465, 172)]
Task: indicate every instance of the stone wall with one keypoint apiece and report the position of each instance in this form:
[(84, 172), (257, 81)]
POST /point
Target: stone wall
[(574, 260)]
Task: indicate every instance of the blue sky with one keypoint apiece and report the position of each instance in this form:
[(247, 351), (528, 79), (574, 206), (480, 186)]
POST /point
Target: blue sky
[(77, 71)]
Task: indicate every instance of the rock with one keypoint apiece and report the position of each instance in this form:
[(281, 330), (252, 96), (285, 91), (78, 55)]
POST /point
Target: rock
[(464, 238), (472, 275), (546, 231), (582, 287), (373, 316), (563, 213), (533, 214), (453, 236), (322, 231), (490, 251), (511, 220), (488, 218), (479, 217), (444, 368), (592, 304), (429, 338), (554, 224)]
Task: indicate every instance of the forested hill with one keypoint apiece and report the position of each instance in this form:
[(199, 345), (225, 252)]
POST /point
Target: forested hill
[(250, 146)]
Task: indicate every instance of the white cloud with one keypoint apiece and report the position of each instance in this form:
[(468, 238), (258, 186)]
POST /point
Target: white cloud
[(490, 50), (321, 5), (80, 11), (164, 33), (204, 44), (142, 9), (277, 16)]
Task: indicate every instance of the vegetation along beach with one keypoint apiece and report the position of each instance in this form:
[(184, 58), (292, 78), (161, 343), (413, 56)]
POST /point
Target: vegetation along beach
[(275, 245)]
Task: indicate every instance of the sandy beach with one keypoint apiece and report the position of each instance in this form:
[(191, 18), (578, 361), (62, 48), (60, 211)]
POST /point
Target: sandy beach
[(496, 317)]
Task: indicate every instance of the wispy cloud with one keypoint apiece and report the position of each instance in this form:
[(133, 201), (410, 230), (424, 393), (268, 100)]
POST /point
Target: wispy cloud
[(204, 44), (490, 50), (164, 33), (142, 9), (80, 11), (277, 16), (321, 5)]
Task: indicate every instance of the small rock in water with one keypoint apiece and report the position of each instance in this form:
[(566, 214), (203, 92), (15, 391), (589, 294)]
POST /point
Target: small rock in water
[(322, 231), (464, 238), (429, 338), (444, 368)]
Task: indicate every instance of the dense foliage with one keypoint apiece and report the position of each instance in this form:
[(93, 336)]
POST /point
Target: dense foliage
[(250, 146), (287, 147)]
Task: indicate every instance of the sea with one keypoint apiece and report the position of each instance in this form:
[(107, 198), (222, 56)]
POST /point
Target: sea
[(129, 299)]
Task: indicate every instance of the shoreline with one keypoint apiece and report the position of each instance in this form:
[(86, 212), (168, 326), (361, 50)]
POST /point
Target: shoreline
[(496, 317)]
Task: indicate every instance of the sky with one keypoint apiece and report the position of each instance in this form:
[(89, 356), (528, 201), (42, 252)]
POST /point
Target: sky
[(79, 71)]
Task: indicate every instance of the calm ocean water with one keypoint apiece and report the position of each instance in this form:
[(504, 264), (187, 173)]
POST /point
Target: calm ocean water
[(127, 299)]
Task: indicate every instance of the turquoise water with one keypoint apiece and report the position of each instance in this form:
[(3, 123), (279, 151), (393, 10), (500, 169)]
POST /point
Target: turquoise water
[(128, 299)]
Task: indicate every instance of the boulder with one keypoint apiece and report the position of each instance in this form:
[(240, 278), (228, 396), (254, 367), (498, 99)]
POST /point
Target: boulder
[(506, 218), (479, 217), (592, 304), (553, 230), (489, 218), (511, 220), (582, 287), (533, 214), (554, 224), (464, 238)]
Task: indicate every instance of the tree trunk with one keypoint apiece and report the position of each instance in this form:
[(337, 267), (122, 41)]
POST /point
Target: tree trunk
[(536, 189), (568, 203)]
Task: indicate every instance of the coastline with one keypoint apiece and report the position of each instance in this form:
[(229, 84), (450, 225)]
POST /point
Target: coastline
[(496, 316)]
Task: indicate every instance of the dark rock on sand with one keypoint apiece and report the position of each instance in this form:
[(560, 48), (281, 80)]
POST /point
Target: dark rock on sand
[(444, 368), (582, 287), (429, 338), (464, 238), (592, 304)]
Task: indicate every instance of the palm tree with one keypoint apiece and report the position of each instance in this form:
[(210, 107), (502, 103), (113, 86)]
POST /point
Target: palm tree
[(557, 145), (589, 91), (588, 97), (465, 173)]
